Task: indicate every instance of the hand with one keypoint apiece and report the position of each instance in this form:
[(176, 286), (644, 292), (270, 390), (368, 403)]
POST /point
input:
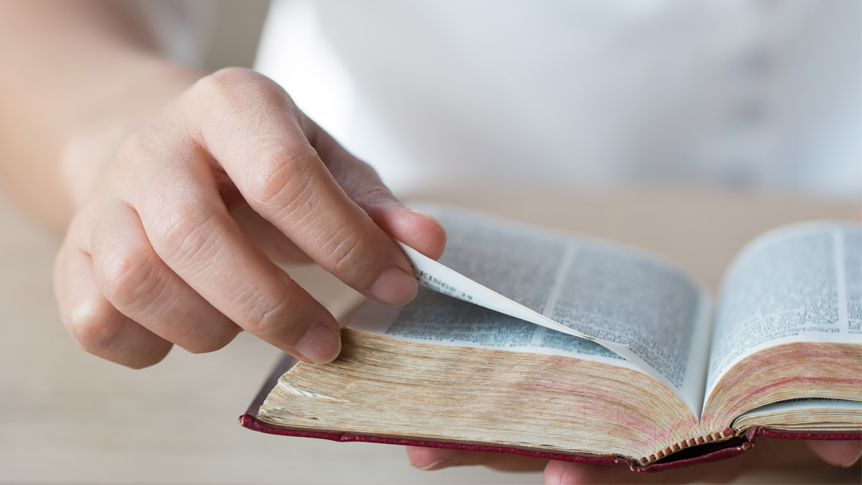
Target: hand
[(175, 242), (767, 454)]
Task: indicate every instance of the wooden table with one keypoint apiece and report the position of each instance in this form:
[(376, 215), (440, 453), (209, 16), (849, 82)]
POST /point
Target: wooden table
[(71, 417)]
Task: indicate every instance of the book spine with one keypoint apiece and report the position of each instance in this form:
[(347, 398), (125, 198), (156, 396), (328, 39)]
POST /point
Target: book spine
[(688, 443)]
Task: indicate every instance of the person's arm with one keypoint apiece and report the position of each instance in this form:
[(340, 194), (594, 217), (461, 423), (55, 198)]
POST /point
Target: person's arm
[(179, 188), (77, 77)]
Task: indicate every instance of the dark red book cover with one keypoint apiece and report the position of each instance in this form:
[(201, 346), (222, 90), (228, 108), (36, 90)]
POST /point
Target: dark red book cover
[(706, 450)]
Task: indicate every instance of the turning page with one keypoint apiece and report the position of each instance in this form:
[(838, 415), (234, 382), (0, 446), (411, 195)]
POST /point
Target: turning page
[(801, 283), (642, 309)]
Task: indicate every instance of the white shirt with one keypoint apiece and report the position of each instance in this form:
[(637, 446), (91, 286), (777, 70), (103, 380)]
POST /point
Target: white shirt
[(741, 94)]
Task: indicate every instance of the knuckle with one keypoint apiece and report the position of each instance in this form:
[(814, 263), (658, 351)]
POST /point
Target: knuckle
[(365, 186), (180, 230), (139, 141), (372, 194), (93, 327), (227, 78), (138, 149), (270, 316), (241, 87), (367, 172), (282, 181), (346, 255), (127, 277)]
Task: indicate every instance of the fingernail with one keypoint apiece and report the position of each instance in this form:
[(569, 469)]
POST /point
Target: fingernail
[(83, 314), (320, 344), (394, 286)]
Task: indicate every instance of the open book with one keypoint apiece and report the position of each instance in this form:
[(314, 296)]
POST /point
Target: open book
[(542, 344)]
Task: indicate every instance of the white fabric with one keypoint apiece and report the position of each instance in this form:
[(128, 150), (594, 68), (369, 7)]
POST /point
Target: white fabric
[(740, 94), (180, 28)]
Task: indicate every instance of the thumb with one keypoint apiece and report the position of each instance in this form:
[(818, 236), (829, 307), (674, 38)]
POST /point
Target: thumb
[(841, 453)]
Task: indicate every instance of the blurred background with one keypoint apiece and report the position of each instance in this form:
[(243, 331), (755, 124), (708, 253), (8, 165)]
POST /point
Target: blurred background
[(742, 95), (233, 38)]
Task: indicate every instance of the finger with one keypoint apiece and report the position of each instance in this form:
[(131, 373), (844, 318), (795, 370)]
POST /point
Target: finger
[(265, 152), (94, 324), (840, 453), (439, 458), (567, 473), (267, 237), (191, 230), (142, 287), (416, 229), (278, 247)]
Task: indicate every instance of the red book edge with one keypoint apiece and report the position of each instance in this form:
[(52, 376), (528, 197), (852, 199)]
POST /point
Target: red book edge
[(711, 452)]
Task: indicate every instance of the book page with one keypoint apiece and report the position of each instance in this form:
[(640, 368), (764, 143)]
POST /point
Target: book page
[(803, 405), (805, 415), (440, 319), (643, 309), (801, 283)]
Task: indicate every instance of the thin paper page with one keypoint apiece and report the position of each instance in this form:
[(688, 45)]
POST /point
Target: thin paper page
[(802, 405), (644, 310), (437, 277), (801, 283)]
